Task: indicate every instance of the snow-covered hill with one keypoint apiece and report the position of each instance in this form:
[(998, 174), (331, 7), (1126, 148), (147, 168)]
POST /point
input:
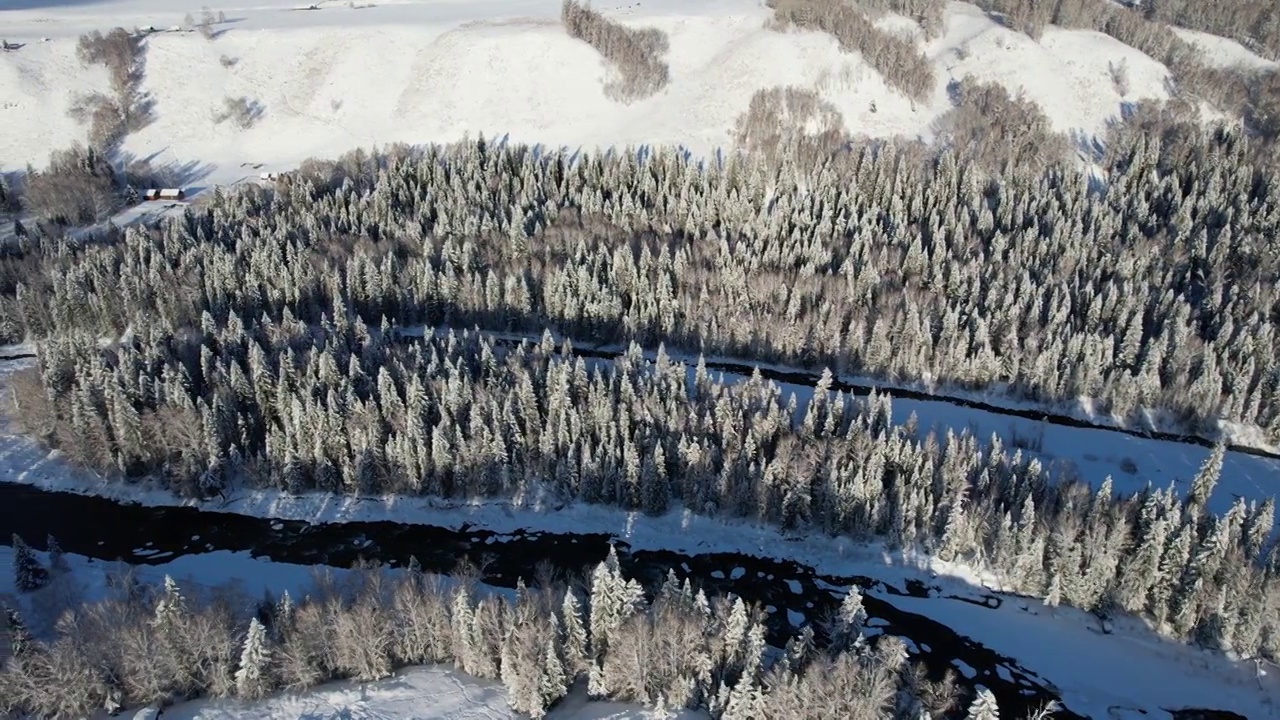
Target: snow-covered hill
[(339, 76)]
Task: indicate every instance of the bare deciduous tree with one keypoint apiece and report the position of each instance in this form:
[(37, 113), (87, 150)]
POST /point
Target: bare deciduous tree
[(634, 55), (903, 66)]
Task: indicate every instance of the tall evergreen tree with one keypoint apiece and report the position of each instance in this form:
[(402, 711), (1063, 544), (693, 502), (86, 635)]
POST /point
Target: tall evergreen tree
[(28, 574), (253, 676)]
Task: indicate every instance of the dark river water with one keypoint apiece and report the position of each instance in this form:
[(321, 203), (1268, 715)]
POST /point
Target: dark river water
[(107, 530)]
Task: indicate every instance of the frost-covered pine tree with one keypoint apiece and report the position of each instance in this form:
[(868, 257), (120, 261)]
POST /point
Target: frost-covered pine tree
[(1206, 479), (1053, 596), (20, 639), (28, 574), (171, 606), (983, 707), (849, 622), (596, 687), (282, 616), (461, 617), (253, 677), (753, 650), (799, 649), (576, 652), (746, 702), (554, 680), (735, 631), (613, 599)]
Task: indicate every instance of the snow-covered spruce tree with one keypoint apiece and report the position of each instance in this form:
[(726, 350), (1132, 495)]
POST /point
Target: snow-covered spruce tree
[(254, 675), (845, 629), (576, 651), (28, 574), (1206, 480), (746, 702), (20, 639), (983, 707), (555, 681), (171, 670), (614, 599)]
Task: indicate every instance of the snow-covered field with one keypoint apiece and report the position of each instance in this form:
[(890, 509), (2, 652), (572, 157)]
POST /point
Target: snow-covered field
[(340, 77)]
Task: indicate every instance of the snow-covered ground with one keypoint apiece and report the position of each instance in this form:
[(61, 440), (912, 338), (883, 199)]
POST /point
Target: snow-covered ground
[(1130, 668), (421, 693), (416, 71), (1224, 52), (1094, 453)]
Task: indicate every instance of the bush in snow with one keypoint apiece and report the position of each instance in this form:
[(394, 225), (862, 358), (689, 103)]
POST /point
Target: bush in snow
[(790, 123), (997, 131), (241, 112)]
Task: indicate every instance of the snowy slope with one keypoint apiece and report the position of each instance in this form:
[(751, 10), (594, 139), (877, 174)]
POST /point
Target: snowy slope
[(1224, 52), (418, 71)]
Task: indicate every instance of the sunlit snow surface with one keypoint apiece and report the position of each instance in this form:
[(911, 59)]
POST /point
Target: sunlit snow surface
[(424, 693), (339, 77)]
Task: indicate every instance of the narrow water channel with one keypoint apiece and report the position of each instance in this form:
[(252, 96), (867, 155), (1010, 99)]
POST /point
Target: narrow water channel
[(107, 530)]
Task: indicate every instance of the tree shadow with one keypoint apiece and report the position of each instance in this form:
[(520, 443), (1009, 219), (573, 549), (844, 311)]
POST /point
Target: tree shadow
[(147, 172), (1089, 146), (222, 28)]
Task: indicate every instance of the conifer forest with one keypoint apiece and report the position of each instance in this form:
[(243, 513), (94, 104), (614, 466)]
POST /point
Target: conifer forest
[(403, 321)]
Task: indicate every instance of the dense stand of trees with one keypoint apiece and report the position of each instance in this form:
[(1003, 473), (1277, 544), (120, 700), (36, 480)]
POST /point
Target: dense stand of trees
[(672, 649), (272, 338), (344, 409), (1156, 293), (1255, 23)]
